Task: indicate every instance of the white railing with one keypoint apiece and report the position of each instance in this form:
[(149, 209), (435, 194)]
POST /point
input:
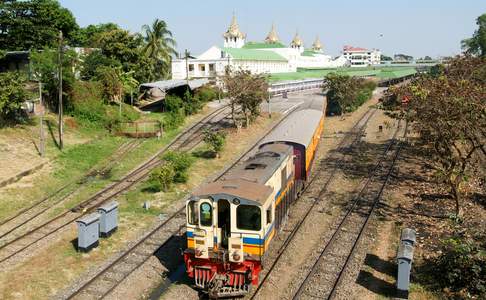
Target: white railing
[(294, 86)]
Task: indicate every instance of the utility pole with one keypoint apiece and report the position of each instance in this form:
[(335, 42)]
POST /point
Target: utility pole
[(60, 92), (186, 55), (41, 123)]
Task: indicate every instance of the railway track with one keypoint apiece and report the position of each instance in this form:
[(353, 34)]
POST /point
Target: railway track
[(344, 148), (112, 275), (327, 270), (182, 142), (29, 214)]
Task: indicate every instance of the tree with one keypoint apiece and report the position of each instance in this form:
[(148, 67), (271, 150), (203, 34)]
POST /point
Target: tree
[(162, 178), (448, 111), (215, 139), (385, 58), (34, 24), (45, 63), (246, 92), (112, 85), (12, 95), (87, 36), (121, 46), (476, 45), (159, 46), (93, 61)]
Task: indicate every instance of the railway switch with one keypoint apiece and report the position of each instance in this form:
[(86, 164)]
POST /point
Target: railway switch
[(108, 218), (88, 232)]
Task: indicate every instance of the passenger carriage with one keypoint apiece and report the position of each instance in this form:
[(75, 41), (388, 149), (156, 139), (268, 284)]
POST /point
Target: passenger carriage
[(231, 222)]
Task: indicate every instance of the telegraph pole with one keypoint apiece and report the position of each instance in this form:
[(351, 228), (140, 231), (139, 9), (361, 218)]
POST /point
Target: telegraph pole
[(60, 93), (186, 55), (41, 123)]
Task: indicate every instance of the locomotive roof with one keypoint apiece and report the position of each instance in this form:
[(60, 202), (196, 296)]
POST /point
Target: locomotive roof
[(260, 167), (298, 128), (236, 188)]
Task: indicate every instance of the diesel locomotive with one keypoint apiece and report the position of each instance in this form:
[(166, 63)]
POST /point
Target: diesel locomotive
[(231, 222)]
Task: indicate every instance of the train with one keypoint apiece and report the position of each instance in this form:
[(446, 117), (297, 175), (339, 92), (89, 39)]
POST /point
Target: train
[(230, 223)]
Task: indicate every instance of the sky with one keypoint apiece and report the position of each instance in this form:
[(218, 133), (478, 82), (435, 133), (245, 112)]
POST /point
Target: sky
[(413, 27)]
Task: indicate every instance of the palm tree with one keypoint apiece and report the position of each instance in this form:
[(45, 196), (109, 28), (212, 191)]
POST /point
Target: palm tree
[(160, 46)]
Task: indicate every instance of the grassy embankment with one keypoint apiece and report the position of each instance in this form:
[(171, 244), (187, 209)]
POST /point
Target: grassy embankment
[(58, 265)]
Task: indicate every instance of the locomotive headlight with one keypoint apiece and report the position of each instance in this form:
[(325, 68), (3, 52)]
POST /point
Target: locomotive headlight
[(198, 252), (236, 256)]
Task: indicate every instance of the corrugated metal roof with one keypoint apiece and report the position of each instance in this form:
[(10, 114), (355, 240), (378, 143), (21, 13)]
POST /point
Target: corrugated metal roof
[(251, 54), (238, 188), (173, 83), (298, 128)]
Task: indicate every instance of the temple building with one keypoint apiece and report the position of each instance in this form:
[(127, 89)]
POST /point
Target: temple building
[(269, 56)]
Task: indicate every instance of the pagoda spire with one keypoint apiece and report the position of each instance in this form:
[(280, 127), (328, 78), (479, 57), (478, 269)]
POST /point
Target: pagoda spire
[(233, 37), (296, 41), (317, 46), (272, 36)]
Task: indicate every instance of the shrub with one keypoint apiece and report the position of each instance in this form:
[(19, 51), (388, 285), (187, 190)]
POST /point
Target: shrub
[(173, 120), (462, 267), (215, 139), (162, 178), (207, 93), (191, 104), (173, 103), (346, 94), (12, 95), (181, 162)]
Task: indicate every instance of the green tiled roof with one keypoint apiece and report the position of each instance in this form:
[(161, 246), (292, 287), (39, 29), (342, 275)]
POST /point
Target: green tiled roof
[(309, 53), (380, 72), (250, 54), (257, 45)]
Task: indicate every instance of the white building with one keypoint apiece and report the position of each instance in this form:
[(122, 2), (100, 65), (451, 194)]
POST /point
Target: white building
[(361, 57), (270, 56)]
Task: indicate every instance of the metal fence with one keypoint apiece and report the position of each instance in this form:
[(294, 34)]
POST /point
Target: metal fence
[(140, 129)]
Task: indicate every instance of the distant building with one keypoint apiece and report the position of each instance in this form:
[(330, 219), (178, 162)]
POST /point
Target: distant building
[(361, 57), (269, 56)]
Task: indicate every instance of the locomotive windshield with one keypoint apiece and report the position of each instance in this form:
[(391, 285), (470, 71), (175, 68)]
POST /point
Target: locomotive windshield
[(192, 218), (248, 217), (206, 214)]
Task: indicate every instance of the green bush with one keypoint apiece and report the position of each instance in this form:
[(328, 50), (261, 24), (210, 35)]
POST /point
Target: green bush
[(12, 95), (207, 93), (215, 139), (346, 94), (181, 162), (162, 178), (172, 120), (461, 267), (173, 103), (88, 108), (191, 104)]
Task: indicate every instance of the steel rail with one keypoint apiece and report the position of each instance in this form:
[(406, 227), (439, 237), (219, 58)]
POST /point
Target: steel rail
[(354, 203), (162, 225), (147, 166)]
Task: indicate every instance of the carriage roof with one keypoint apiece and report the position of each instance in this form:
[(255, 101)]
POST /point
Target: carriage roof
[(236, 188), (297, 128)]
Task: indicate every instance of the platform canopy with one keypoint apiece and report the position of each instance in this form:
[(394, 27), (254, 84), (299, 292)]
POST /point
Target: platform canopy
[(166, 85)]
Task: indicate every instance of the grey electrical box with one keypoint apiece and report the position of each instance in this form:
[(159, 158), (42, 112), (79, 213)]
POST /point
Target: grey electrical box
[(88, 232), (404, 259), (108, 218), (408, 236)]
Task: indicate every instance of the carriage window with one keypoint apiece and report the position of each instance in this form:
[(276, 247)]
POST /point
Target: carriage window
[(192, 213), (248, 217), (269, 215), (206, 214)]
